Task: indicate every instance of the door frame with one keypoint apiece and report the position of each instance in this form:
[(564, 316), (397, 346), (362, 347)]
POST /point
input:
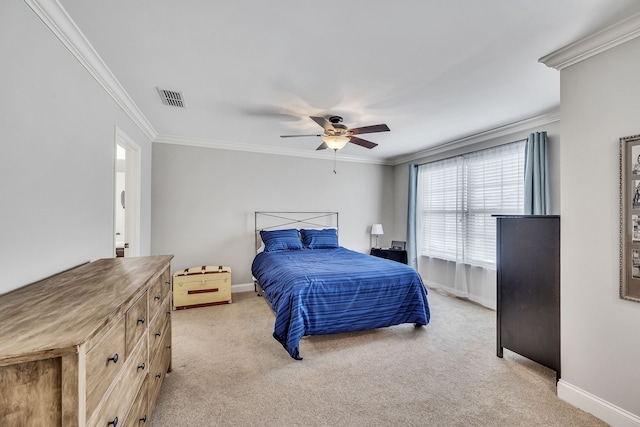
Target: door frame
[(132, 185)]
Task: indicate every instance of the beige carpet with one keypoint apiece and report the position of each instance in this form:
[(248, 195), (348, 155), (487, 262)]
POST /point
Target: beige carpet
[(229, 371)]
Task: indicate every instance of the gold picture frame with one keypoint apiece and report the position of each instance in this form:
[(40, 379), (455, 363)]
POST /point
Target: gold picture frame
[(630, 218)]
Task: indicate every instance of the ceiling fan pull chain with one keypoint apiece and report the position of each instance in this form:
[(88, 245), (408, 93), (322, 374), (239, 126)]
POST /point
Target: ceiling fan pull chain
[(335, 154)]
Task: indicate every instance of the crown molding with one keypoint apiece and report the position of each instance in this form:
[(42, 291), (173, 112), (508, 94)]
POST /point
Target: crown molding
[(56, 18), (498, 132), (594, 44), (255, 148), (509, 129)]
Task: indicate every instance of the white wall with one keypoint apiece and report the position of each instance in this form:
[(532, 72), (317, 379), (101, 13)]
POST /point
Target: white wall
[(600, 332), (58, 153), (204, 201)]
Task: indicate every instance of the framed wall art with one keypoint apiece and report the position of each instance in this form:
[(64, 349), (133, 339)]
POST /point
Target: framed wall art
[(630, 218)]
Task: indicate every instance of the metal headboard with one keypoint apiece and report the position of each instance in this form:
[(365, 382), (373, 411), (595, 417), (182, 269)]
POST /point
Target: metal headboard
[(282, 220)]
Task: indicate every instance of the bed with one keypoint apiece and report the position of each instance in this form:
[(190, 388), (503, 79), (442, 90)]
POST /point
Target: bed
[(316, 287)]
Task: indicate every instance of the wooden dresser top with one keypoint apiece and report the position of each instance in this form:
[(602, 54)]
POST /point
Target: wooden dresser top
[(50, 318)]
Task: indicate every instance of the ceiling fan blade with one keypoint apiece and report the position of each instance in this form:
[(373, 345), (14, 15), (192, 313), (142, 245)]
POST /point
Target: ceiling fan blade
[(362, 142), (322, 146), (322, 121), (296, 136), (370, 129)]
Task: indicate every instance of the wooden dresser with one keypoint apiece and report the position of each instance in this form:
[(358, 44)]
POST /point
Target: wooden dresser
[(87, 347)]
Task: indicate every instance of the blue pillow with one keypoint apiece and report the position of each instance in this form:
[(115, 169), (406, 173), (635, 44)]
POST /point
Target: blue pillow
[(281, 240), (320, 239)]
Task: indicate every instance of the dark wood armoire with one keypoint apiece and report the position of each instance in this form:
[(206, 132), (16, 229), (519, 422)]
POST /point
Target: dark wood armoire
[(528, 294)]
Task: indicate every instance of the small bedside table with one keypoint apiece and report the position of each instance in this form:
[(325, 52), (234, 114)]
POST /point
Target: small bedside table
[(398, 255)]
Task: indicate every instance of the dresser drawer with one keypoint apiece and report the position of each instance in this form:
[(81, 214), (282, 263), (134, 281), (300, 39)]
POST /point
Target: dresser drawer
[(155, 297), (104, 362), (159, 368), (157, 326), (166, 283), (137, 319), (158, 292), (123, 394), (139, 414)]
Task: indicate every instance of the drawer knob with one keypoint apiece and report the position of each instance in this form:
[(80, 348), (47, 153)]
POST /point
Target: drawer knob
[(141, 320), (168, 313), (167, 282), (113, 423), (157, 297), (158, 334), (168, 347), (158, 375), (113, 359), (144, 419), (141, 366)]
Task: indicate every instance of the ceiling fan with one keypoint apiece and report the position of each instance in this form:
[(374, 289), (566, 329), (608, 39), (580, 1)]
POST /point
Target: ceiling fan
[(336, 135)]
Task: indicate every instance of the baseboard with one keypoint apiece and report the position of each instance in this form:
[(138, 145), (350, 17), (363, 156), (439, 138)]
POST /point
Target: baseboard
[(491, 304), (242, 287), (602, 409), (462, 295)]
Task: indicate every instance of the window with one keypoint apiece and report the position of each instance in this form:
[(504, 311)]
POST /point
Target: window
[(458, 196)]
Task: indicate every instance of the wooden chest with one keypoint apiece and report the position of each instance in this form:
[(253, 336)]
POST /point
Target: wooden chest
[(201, 286)]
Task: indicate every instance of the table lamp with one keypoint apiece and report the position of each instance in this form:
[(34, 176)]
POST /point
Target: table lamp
[(376, 230)]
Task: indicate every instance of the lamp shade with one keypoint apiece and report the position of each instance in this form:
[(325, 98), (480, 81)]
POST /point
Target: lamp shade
[(335, 142), (376, 229)]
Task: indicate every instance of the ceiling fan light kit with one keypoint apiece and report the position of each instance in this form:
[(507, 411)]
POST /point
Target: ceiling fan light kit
[(335, 142)]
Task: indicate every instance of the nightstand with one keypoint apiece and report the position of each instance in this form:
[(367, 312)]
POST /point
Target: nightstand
[(398, 255)]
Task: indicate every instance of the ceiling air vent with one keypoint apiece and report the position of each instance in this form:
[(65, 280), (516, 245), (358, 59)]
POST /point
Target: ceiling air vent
[(171, 97)]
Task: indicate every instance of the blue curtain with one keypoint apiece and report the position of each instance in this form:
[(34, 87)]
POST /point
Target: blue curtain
[(537, 197), (412, 257)]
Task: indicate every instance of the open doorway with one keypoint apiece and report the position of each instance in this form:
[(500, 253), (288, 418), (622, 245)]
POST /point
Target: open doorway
[(127, 196)]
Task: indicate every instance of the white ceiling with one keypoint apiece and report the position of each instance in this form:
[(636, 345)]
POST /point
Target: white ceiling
[(250, 70)]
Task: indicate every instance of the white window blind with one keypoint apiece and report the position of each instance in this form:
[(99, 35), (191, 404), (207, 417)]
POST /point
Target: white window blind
[(459, 196), (442, 207)]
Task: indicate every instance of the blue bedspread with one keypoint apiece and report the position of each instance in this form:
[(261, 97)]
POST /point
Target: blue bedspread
[(324, 291)]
